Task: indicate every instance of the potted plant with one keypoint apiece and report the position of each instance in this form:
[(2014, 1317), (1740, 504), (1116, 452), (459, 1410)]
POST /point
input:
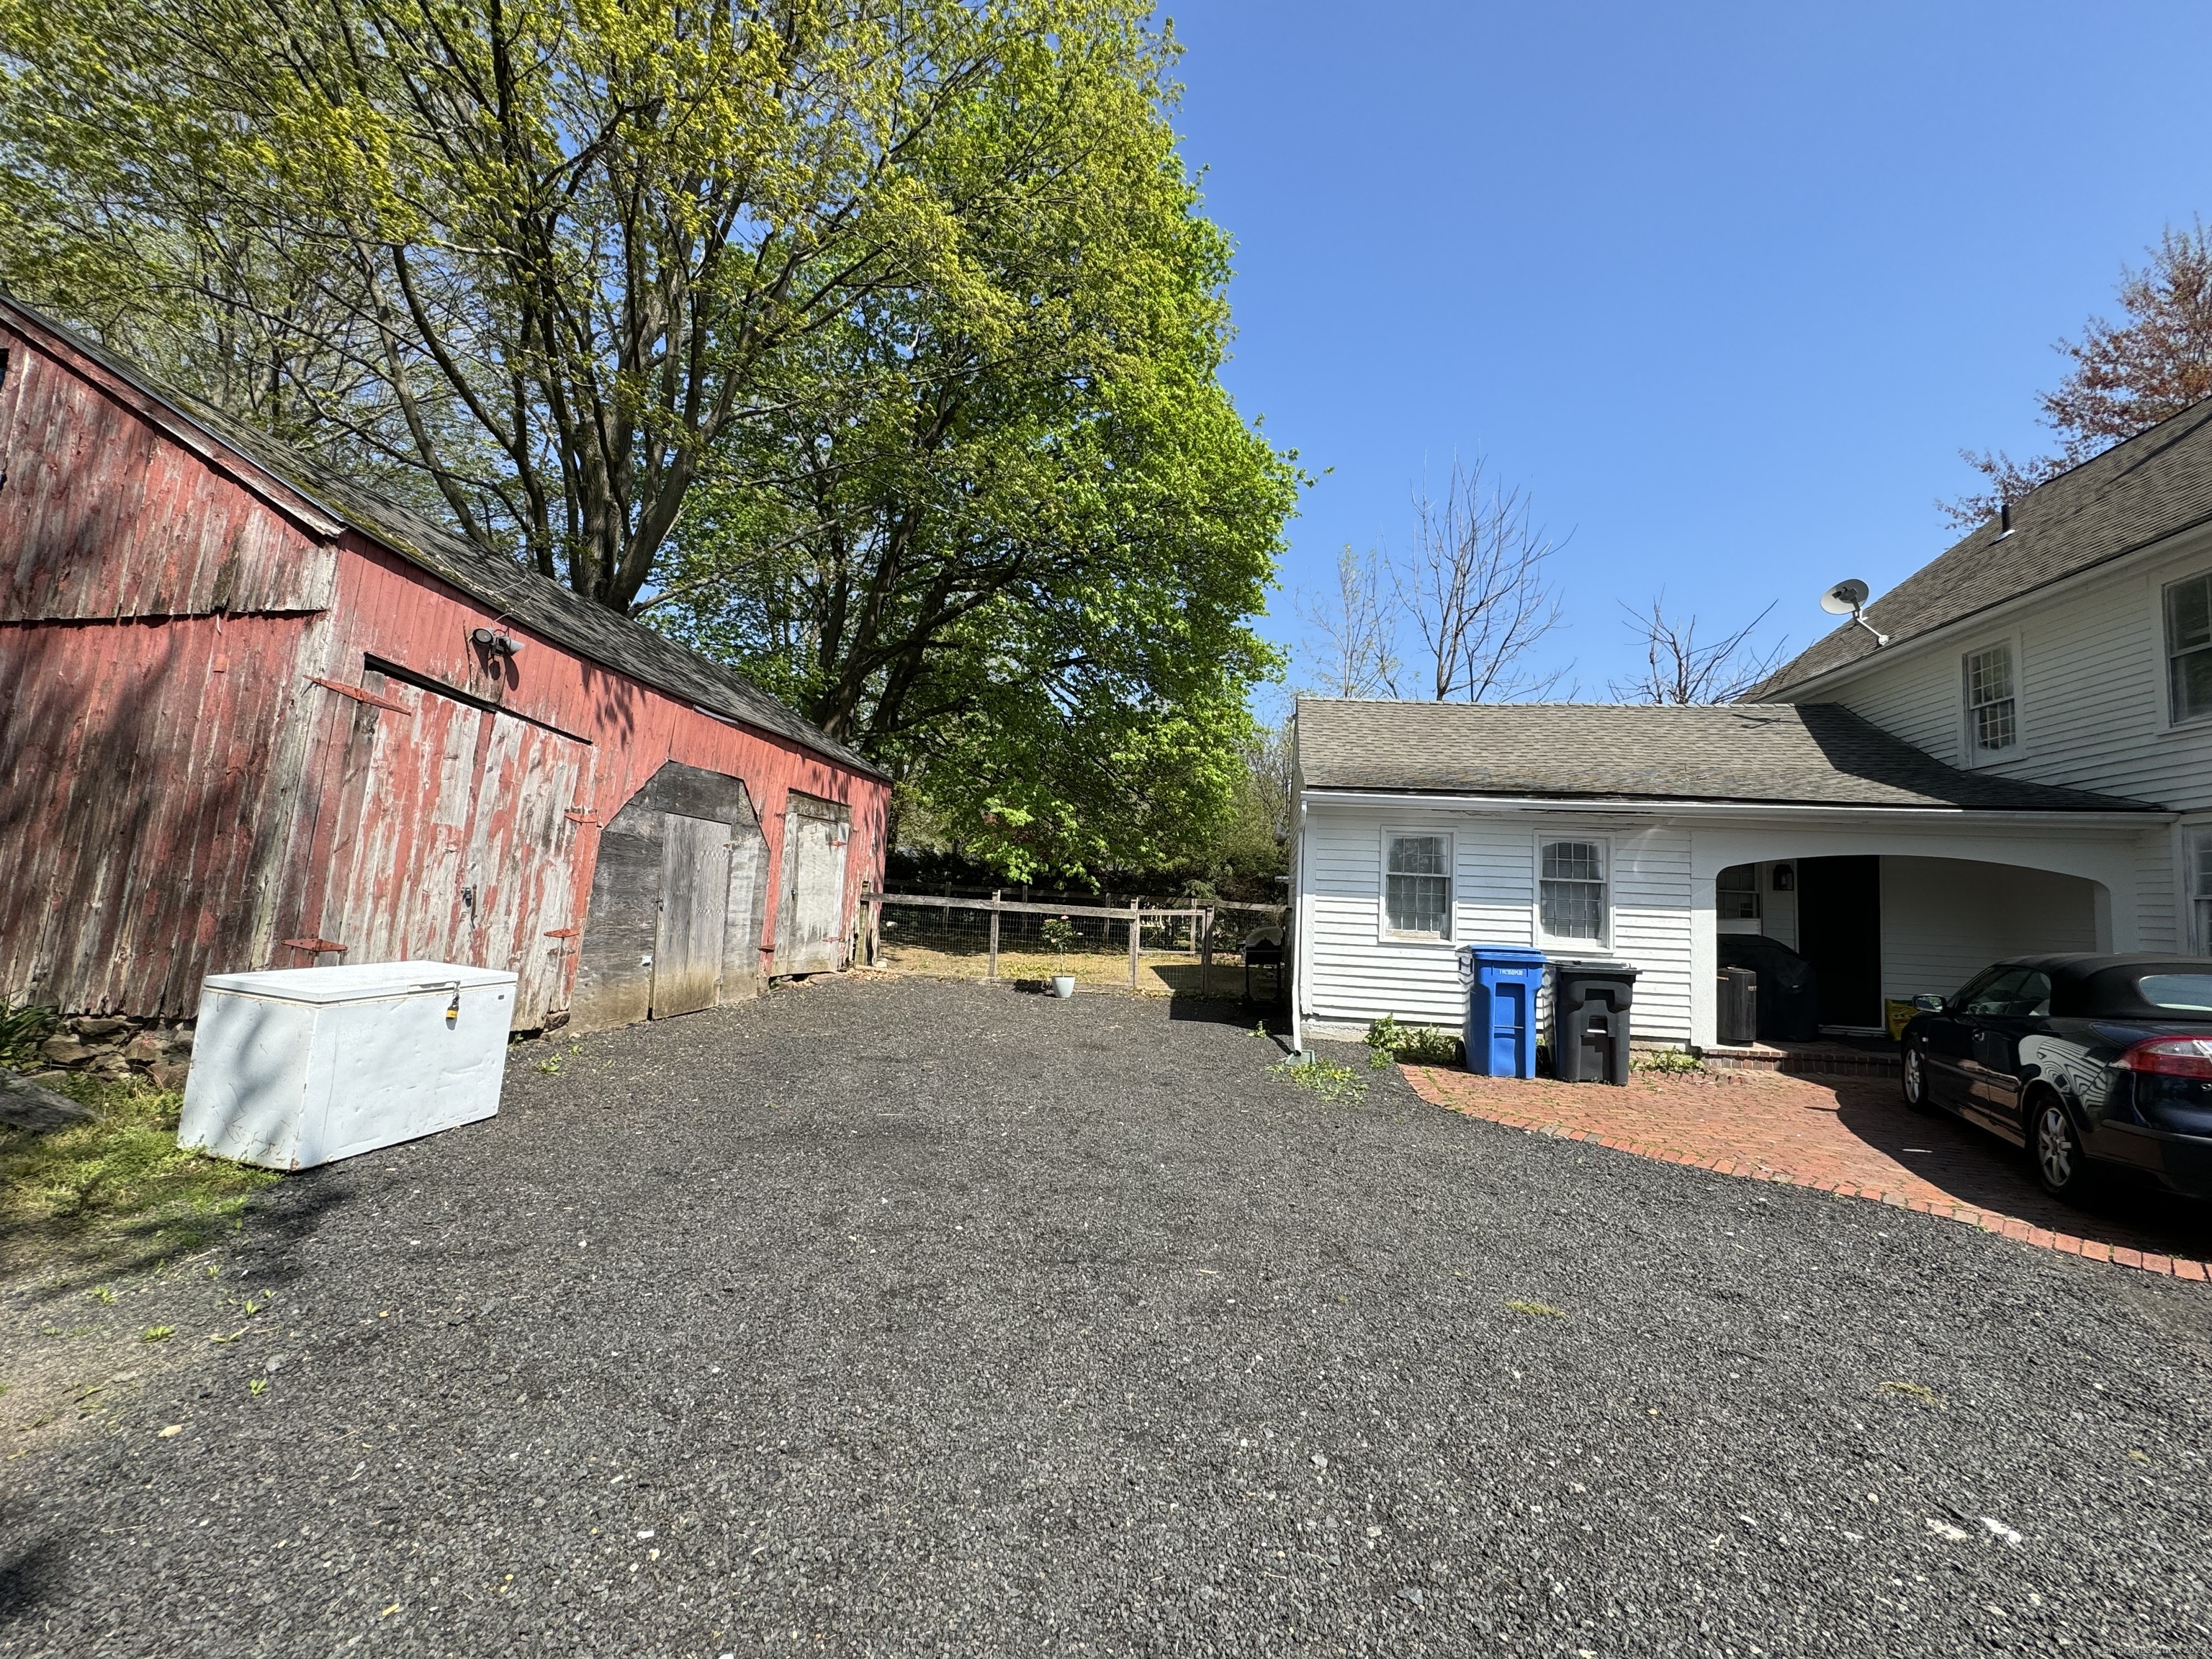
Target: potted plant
[(1060, 934)]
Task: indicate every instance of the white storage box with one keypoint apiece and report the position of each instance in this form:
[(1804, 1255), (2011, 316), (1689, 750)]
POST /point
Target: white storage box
[(299, 1066)]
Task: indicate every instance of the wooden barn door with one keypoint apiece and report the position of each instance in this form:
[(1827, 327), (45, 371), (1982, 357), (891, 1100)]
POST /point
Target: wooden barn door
[(442, 835), (810, 910), (695, 904)]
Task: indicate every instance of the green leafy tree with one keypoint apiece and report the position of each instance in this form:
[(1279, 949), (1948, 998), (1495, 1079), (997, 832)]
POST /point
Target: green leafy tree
[(536, 260), (1018, 563)]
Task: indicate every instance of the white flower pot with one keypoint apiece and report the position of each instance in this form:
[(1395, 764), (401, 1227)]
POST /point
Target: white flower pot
[(1063, 984)]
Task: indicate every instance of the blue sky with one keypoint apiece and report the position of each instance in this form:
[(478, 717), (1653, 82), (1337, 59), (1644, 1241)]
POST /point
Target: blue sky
[(1725, 287)]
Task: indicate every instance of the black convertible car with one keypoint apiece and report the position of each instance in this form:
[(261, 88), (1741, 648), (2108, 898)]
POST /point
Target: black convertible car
[(2081, 1060)]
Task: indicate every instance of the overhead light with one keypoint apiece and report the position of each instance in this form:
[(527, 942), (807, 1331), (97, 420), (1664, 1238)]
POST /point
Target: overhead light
[(505, 645)]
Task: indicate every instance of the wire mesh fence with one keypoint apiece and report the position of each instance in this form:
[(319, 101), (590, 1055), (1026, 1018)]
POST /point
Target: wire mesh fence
[(1181, 947)]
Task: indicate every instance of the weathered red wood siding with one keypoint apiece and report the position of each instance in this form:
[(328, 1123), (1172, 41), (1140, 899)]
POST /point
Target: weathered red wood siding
[(390, 611), (142, 804), (182, 789)]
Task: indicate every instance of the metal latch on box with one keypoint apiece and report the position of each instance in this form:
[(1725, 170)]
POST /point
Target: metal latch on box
[(453, 1008)]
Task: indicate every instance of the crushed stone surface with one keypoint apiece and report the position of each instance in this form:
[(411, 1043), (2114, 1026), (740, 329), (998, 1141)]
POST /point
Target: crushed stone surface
[(885, 1316)]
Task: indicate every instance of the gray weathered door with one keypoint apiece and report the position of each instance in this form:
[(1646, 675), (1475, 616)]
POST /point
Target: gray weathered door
[(811, 912), (695, 899)]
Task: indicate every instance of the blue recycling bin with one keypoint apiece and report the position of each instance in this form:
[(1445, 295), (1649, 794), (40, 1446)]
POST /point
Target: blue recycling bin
[(1502, 981)]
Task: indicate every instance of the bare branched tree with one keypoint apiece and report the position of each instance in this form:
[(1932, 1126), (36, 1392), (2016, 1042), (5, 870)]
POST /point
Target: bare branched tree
[(1678, 669), (1358, 628), (1476, 585)]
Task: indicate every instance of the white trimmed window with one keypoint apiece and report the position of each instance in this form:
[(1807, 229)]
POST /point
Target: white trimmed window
[(1571, 890), (1417, 902), (2188, 646), (2200, 885), (1992, 701)]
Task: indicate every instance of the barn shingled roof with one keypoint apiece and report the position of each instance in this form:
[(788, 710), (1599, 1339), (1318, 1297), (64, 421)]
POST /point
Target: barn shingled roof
[(520, 594), (2134, 495), (1794, 754)]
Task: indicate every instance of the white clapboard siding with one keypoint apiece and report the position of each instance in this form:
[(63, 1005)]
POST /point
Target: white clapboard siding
[(1945, 919), (1355, 975), (2090, 672), (2091, 667)]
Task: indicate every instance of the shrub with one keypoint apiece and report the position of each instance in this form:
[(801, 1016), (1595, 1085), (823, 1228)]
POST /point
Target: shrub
[(1667, 1061), (1389, 1043)]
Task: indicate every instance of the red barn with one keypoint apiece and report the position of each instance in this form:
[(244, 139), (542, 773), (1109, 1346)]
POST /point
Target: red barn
[(252, 717)]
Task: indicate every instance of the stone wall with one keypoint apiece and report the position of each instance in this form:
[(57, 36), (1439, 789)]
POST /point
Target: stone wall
[(117, 1049)]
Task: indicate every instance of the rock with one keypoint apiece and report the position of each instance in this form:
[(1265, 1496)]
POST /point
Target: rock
[(143, 1049), (170, 1075), (101, 1031), (25, 1105), (177, 1044), (65, 1051)]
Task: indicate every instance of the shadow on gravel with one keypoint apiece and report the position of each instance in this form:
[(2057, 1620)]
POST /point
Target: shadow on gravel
[(29, 1579), (286, 1218)]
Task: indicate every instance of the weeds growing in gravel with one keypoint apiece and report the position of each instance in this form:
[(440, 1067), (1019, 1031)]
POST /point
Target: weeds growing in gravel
[(1330, 1081), (1667, 1063), (1925, 1395), (1538, 1309), (115, 1192)]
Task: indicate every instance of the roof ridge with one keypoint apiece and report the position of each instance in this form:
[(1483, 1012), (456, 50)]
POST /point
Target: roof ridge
[(563, 616)]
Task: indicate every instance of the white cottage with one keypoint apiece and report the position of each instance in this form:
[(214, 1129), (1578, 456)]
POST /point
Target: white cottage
[(2022, 760)]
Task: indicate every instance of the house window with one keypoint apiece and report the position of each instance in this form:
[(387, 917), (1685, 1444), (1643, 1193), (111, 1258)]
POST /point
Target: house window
[(2188, 646), (1991, 708), (1736, 893), (2200, 886), (1571, 890), (1417, 888)]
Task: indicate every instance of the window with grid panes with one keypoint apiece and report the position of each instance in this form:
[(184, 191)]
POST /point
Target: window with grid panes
[(1736, 893), (1990, 705), (2188, 646), (1571, 890), (1417, 886)]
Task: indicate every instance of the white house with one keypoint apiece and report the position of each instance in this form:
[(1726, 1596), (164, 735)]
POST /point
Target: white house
[(2024, 764)]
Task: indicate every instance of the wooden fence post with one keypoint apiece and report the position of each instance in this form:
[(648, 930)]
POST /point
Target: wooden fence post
[(1136, 938), (1205, 955), (996, 894), (875, 930)]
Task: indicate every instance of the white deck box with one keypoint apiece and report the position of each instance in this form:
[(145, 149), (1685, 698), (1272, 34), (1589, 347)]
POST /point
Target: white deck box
[(299, 1066)]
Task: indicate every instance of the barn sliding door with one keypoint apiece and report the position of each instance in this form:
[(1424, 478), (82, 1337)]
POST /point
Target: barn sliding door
[(695, 904), (810, 911), (441, 834)]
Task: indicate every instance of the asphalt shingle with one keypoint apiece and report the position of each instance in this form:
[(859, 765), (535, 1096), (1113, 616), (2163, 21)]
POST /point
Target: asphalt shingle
[(1804, 754)]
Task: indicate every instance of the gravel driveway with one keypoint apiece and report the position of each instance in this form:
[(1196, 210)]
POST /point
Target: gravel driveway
[(897, 1316)]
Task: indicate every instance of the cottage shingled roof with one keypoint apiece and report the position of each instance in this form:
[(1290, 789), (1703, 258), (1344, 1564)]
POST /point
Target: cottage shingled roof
[(2134, 495), (520, 593), (1794, 754)]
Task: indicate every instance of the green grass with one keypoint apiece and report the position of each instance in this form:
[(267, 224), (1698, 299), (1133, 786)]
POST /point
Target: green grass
[(116, 1193)]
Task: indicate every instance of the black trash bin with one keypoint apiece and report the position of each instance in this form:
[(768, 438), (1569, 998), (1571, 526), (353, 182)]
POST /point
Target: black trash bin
[(1589, 1020), (1739, 1007)]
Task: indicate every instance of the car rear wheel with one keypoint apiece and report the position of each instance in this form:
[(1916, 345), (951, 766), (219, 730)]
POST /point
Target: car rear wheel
[(2060, 1164), (1913, 1076)]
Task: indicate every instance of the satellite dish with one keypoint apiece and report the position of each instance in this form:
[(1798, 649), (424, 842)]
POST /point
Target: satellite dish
[(1845, 598), (1848, 598)]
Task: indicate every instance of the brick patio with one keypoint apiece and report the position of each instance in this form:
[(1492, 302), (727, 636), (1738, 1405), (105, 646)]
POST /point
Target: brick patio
[(1850, 1136)]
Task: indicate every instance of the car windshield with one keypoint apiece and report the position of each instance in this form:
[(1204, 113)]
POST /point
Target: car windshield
[(2190, 993)]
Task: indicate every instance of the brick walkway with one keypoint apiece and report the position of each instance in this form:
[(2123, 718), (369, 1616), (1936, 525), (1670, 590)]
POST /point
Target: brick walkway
[(1850, 1136)]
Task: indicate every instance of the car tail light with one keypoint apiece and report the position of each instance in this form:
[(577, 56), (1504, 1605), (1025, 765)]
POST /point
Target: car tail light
[(2174, 1056)]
